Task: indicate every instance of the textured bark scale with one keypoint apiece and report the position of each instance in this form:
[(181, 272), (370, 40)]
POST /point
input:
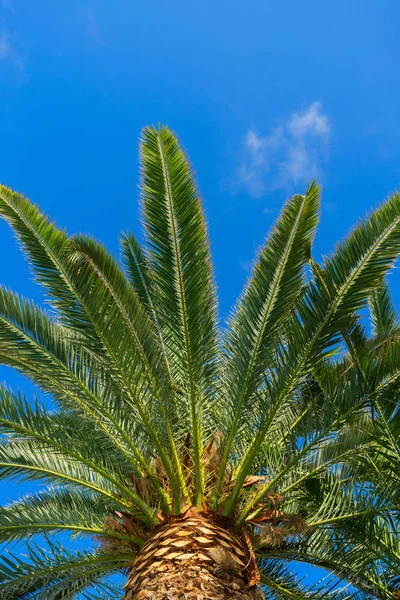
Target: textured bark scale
[(194, 557)]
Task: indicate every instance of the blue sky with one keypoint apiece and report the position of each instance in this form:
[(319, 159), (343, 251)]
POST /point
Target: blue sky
[(263, 95)]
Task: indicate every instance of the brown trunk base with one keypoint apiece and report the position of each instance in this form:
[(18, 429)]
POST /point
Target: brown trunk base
[(194, 557)]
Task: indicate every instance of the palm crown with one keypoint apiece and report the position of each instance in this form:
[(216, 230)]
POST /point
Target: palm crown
[(283, 424)]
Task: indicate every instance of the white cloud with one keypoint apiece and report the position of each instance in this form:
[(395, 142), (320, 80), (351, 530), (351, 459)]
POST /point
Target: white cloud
[(91, 25), (9, 5), (290, 155), (312, 121), (8, 52)]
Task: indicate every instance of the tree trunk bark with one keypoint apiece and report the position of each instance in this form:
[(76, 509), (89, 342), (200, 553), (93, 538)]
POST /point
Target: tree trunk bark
[(195, 557)]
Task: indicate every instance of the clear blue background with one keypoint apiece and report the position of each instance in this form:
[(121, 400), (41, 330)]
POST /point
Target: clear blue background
[(78, 81)]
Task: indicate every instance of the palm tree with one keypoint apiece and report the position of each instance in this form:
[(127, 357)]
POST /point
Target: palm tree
[(202, 461)]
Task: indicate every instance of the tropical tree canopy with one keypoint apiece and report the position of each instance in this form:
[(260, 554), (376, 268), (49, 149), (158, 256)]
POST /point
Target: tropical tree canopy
[(283, 421)]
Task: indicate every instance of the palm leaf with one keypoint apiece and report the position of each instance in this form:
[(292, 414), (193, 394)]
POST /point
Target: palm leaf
[(136, 268), (130, 339), (55, 572), (384, 319), (357, 267), (180, 268), (60, 509), (54, 358), (265, 305)]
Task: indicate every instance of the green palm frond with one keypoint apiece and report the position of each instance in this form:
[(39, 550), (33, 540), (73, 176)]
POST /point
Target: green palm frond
[(55, 573), (128, 334), (180, 268), (281, 583), (137, 270), (384, 318), (54, 358), (61, 509), (33, 461), (286, 423), (347, 566), (358, 265), (45, 245), (47, 249), (265, 306), (69, 432)]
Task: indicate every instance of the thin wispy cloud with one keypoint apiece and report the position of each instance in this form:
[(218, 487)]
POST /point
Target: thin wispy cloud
[(291, 155), (9, 5), (8, 53), (91, 25)]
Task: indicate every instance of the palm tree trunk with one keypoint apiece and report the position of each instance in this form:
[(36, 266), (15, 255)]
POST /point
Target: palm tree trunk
[(194, 557)]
